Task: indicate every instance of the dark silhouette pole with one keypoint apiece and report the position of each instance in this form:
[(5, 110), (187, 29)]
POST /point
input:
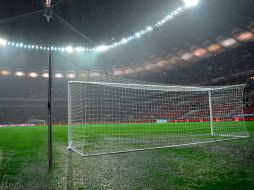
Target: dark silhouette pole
[(50, 111)]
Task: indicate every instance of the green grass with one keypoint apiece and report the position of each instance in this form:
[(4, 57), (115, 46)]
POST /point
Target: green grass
[(23, 163), (105, 138)]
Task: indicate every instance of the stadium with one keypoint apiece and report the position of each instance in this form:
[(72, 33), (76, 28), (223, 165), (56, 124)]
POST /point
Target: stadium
[(126, 94)]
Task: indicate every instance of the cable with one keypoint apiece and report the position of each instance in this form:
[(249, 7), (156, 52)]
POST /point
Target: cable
[(16, 18), (69, 61), (73, 28), (59, 4)]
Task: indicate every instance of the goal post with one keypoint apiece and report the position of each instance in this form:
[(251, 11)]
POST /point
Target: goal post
[(69, 118), (106, 118), (210, 111)]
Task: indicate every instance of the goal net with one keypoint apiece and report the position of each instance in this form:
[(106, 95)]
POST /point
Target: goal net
[(108, 118), (37, 122)]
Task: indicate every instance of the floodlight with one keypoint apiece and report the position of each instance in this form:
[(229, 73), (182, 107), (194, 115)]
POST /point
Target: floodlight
[(140, 69), (186, 56), (5, 72), (214, 48), (70, 75), (118, 72), (79, 49), (33, 74), (137, 34), (82, 74), (229, 42), (124, 41), (94, 74), (69, 49), (59, 75), (19, 73), (149, 28), (191, 3), (45, 74), (245, 36), (200, 52), (102, 48), (3, 41), (150, 66)]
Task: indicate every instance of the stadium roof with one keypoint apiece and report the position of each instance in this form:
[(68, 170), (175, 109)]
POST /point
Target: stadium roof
[(207, 29)]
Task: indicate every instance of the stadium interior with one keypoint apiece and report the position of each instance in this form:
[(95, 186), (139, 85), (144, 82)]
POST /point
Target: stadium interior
[(212, 49), (207, 45)]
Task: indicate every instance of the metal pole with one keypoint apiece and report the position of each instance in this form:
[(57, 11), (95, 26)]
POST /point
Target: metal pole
[(69, 118), (50, 111), (211, 111)]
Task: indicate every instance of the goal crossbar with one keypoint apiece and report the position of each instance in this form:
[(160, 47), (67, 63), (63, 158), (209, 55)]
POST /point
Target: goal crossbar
[(158, 87)]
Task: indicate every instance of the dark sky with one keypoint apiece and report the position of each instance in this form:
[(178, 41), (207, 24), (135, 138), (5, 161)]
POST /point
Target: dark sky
[(100, 20), (104, 20)]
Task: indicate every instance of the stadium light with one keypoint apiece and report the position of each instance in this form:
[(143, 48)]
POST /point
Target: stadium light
[(19, 73), (118, 72), (139, 69), (150, 66), (79, 49), (3, 41), (33, 74), (214, 48), (102, 48), (45, 74), (69, 49), (5, 72), (94, 74), (245, 36), (59, 75), (149, 28), (191, 3), (70, 75), (137, 34), (200, 52), (186, 56), (229, 42)]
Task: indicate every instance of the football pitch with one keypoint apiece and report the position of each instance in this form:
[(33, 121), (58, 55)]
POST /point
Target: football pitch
[(97, 139), (219, 165)]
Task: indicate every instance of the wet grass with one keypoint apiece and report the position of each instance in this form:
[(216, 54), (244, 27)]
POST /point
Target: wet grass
[(23, 164)]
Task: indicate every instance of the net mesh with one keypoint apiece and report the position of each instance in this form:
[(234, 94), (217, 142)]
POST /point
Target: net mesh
[(120, 117)]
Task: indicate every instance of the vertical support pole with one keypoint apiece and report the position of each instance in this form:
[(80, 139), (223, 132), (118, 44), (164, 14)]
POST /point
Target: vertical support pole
[(211, 111), (50, 111), (69, 118)]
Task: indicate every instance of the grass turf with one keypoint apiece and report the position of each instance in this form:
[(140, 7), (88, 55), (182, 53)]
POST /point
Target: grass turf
[(106, 138), (23, 164)]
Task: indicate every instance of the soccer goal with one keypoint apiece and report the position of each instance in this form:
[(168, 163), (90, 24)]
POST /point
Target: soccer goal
[(105, 118), (37, 122)]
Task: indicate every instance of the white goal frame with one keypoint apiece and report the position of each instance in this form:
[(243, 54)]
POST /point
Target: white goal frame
[(153, 87), (35, 121)]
